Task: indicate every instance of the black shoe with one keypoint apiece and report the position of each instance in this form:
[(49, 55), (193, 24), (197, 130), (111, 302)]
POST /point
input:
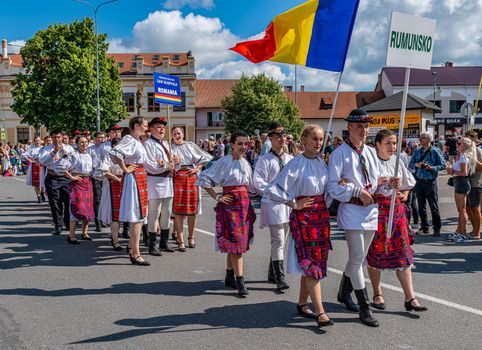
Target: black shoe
[(436, 233), (57, 230), (86, 238), (422, 231), (72, 240), (98, 228), (365, 314), (344, 294), (242, 291), (117, 246), (380, 306), (42, 196), (164, 244), (323, 323), (271, 277), (137, 261), (303, 313), (152, 245), (39, 200), (279, 275), (229, 280), (410, 307)]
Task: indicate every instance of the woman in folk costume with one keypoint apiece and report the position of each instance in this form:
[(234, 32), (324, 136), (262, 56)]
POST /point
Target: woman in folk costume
[(78, 168), (112, 181), (34, 168), (47, 141), (187, 197), (394, 253), (302, 186), (130, 155), (275, 216), (234, 214)]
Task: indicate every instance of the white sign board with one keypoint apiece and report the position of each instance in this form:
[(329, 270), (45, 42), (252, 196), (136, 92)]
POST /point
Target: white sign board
[(410, 41)]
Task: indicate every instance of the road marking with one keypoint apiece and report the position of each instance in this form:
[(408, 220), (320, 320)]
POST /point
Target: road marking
[(397, 289)]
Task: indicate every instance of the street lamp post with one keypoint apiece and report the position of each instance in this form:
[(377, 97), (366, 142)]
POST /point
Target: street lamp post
[(95, 9)]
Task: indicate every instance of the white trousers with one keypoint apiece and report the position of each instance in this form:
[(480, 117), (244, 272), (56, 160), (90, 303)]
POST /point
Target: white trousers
[(278, 236), (358, 244), (159, 207)]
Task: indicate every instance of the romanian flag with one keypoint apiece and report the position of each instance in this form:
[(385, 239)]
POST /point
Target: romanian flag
[(314, 34)]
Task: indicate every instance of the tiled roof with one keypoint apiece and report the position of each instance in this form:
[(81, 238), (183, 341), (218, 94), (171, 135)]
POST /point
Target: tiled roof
[(451, 75), (394, 102), (150, 59), (309, 102), (16, 59), (210, 92)]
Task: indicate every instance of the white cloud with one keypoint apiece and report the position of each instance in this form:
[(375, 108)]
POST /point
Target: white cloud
[(14, 46), (193, 4), (458, 39)]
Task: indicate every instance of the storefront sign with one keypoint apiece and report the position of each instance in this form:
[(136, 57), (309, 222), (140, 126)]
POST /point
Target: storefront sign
[(451, 121), (393, 121)]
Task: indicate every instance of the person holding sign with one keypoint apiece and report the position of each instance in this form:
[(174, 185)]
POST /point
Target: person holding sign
[(234, 213), (301, 185), (130, 155), (187, 197), (354, 171), (159, 166), (395, 252)]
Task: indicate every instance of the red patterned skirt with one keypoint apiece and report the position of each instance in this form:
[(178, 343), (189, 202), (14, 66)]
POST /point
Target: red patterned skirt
[(82, 199), (141, 180), (396, 252), (36, 170), (186, 193), (310, 230), (235, 221), (115, 196)]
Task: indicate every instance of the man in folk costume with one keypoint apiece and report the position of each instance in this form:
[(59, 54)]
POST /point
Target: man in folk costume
[(159, 169), (56, 184), (275, 216), (353, 177), (96, 152)]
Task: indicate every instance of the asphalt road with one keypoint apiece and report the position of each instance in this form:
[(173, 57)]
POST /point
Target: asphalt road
[(58, 296)]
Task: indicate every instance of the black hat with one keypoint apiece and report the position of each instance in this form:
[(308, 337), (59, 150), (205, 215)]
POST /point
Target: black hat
[(157, 120), (358, 116), (114, 126), (276, 128)]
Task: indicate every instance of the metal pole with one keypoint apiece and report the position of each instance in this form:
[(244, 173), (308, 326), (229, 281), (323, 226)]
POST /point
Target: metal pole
[(328, 129), (97, 69), (399, 149)]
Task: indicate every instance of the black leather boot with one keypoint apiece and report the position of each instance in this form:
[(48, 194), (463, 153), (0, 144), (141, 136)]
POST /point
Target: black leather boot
[(271, 277), (42, 196), (229, 280), (145, 235), (366, 314), (164, 244), (344, 294), (279, 275), (242, 291), (153, 250)]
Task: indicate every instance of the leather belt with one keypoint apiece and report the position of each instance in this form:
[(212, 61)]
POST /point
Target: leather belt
[(168, 173)]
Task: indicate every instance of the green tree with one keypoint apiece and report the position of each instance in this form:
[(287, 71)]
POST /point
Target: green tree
[(57, 88), (255, 102)]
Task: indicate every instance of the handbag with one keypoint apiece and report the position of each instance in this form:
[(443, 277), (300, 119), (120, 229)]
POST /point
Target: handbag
[(450, 181)]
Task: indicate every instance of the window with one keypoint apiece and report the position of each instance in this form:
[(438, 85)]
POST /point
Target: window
[(128, 98), (214, 118), (135, 57), (120, 64), (438, 104), (216, 136), (326, 103), (155, 57), (455, 105), (175, 58), (479, 106), (182, 107), (133, 64), (152, 106), (23, 135)]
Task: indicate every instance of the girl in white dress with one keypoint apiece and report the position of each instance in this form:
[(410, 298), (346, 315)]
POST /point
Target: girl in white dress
[(34, 174)]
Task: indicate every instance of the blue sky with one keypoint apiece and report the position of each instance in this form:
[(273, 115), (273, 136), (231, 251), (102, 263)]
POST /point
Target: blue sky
[(210, 27)]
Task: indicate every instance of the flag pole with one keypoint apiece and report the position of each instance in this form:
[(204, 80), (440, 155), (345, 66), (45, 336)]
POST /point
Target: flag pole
[(328, 129), (389, 227), (169, 128)]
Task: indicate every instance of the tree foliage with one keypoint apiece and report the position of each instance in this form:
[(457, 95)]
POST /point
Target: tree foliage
[(257, 101), (58, 86)]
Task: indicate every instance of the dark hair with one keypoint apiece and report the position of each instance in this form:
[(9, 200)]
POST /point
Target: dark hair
[(237, 134), (78, 137), (55, 132), (115, 141), (125, 131), (177, 127), (136, 121), (382, 134), (98, 133)]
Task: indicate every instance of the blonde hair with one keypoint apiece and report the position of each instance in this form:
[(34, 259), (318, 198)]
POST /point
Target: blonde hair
[(470, 150), (309, 129)]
